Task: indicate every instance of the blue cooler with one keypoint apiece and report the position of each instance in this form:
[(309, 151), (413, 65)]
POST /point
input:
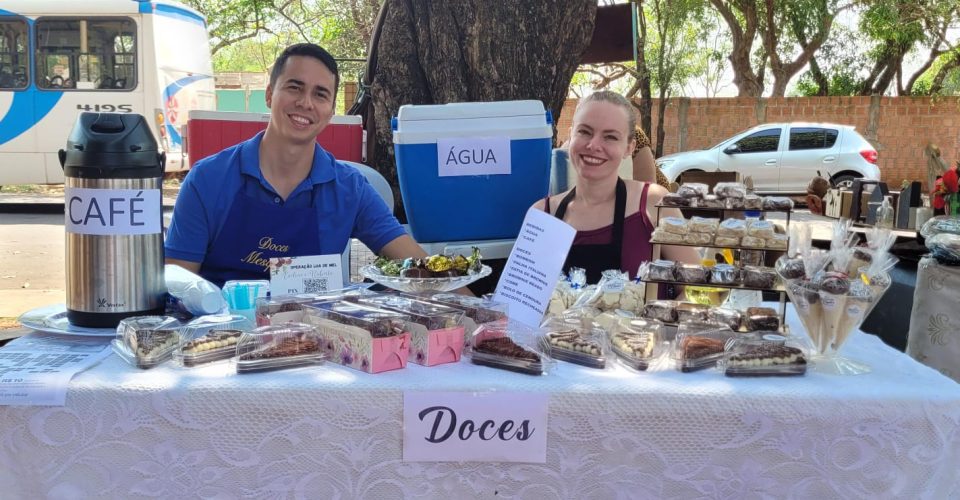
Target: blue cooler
[(495, 163)]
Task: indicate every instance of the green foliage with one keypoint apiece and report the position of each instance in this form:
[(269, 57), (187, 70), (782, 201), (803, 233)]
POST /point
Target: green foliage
[(676, 25), (842, 59), (840, 84), (688, 43), (247, 35)]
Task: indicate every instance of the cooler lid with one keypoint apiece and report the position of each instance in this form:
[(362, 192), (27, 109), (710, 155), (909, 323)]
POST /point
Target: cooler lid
[(462, 110), (417, 124)]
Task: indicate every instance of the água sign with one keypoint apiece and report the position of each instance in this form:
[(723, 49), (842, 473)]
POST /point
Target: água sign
[(473, 156)]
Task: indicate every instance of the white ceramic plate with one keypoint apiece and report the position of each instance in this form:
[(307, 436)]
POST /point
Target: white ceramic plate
[(53, 319)]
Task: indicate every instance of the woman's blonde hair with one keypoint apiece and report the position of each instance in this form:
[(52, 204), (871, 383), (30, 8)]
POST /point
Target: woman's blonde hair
[(617, 99)]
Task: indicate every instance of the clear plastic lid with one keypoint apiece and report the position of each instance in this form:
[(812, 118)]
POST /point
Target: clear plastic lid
[(210, 338), (378, 321), (431, 315), (267, 307), (481, 310), (275, 347), (700, 345), (637, 342), (215, 345), (576, 340), (495, 345), (201, 325), (761, 358), (147, 341)]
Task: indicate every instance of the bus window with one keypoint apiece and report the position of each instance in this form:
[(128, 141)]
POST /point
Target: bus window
[(86, 54), (13, 54)]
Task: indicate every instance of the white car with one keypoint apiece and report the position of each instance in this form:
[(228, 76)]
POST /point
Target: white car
[(784, 157)]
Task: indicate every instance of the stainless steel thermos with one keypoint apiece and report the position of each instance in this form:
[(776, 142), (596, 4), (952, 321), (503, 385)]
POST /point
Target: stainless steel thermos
[(114, 220)]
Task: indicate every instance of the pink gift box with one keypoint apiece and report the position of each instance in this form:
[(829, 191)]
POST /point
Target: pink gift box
[(436, 347), (374, 355)]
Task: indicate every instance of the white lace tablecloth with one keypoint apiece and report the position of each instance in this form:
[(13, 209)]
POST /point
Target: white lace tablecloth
[(331, 432)]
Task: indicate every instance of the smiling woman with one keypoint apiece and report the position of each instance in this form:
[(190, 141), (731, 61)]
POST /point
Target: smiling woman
[(612, 216)]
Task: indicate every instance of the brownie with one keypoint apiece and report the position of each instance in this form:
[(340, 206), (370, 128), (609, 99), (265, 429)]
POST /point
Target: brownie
[(759, 277), (290, 346), (674, 200), (791, 269), (835, 283), (689, 311), (506, 347), (761, 318), (699, 347)]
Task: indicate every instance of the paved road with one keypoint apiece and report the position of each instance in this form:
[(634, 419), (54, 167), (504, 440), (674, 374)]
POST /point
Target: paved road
[(31, 261)]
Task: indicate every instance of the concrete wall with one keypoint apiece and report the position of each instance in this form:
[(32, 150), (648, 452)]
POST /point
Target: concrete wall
[(899, 127), (251, 99)]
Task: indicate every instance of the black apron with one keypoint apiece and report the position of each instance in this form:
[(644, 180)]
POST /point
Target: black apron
[(596, 259)]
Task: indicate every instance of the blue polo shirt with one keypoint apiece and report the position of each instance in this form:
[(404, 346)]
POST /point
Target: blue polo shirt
[(346, 203)]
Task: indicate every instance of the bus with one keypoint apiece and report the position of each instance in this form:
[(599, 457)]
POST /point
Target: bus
[(60, 58)]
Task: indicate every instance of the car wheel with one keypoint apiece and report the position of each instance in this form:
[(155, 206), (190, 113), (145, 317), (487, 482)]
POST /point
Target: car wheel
[(844, 181)]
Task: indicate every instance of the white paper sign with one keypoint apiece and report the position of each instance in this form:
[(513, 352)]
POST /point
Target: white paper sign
[(473, 156), (36, 369), (475, 427), (534, 266), (308, 274), (112, 211)]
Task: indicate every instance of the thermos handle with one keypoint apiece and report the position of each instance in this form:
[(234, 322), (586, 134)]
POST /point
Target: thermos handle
[(162, 156), (62, 154)]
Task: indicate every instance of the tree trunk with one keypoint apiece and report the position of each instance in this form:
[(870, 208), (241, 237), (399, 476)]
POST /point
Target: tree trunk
[(748, 82), (661, 110), (823, 84), (442, 51), (643, 72)]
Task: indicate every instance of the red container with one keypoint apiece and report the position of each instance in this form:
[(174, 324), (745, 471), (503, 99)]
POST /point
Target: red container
[(209, 132)]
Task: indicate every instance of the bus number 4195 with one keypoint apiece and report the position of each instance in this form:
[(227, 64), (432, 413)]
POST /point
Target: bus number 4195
[(106, 108)]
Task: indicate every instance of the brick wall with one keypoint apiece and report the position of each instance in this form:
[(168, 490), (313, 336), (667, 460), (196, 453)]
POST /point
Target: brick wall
[(899, 127)]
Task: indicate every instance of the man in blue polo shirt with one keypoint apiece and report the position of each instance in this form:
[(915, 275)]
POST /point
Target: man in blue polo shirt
[(280, 194)]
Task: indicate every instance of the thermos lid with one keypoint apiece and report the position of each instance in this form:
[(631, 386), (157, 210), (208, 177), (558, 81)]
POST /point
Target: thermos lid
[(111, 146)]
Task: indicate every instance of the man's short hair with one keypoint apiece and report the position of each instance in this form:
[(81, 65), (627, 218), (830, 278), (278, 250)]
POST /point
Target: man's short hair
[(308, 50)]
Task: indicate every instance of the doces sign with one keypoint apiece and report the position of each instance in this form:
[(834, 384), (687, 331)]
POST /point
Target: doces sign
[(475, 427)]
